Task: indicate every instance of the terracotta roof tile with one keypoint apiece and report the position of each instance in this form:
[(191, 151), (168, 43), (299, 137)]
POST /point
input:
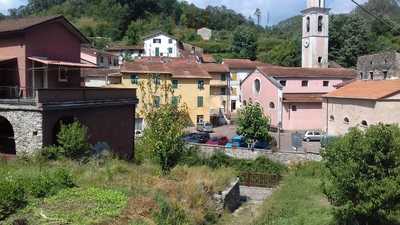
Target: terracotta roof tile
[(302, 97), (207, 58), (243, 64), (120, 47), (289, 72), (99, 72), (372, 89), (94, 52), (215, 68)]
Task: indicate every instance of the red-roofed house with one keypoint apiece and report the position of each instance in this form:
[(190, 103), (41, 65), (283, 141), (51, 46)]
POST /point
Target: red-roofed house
[(292, 96), (40, 86), (361, 103)]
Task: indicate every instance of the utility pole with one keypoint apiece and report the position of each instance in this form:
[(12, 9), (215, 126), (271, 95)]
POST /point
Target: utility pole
[(257, 13)]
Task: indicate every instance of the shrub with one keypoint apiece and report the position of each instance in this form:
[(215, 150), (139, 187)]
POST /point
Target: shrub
[(49, 183), (169, 214), (362, 174), (12, 196), (73, 140)]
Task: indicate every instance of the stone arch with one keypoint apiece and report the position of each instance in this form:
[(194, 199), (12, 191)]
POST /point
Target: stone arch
[(65, 120), (7, 139)]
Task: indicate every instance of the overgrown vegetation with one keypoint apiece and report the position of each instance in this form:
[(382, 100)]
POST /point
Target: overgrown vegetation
[(363, 171)]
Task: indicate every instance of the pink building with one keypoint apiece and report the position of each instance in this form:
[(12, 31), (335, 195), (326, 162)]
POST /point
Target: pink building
[(292, 96)]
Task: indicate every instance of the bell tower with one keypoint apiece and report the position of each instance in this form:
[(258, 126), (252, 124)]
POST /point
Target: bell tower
[(315, 41)]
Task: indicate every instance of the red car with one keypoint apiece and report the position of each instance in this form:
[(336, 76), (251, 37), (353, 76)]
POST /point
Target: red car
[(218, 141)]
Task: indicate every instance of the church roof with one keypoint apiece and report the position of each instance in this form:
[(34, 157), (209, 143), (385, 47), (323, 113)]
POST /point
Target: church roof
[(299, 72)]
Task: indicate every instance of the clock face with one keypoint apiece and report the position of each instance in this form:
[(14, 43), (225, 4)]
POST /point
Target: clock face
[(307, 43)]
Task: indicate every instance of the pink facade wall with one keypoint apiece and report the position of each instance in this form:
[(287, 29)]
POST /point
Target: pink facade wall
[(308, 116), (268, 93), (314, 85), (14, 47)]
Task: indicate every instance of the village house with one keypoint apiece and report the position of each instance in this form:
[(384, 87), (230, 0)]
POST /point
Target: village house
[(360, 104), (162, 44), (205, 33), (381, 66), (200, 87), (40, 88), (99, 58), (125, 52), (239, 69), (292, 96)]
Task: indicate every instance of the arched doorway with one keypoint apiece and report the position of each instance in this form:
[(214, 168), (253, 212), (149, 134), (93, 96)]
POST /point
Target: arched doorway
[(57, 127), (7, 142)]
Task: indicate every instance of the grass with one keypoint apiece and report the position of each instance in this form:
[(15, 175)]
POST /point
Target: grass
[(299, 200), (117, 192)]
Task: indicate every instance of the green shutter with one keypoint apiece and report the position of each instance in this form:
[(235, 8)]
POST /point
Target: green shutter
[(157, 100), (175, 100), (134, 79), (175, 84), (200, 102)]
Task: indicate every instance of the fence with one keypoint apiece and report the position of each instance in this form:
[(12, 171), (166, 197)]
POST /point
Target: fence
[(253, 179)]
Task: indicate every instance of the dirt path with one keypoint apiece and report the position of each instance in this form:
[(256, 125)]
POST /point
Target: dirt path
[(253, 199)]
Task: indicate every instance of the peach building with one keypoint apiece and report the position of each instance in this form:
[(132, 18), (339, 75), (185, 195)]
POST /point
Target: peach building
[(360, 104), (292, 96)]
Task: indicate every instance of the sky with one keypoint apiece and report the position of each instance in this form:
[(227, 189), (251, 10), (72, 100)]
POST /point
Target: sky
[(278, 10)]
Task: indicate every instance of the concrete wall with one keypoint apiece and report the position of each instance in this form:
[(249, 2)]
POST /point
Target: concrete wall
[(27, 125), (356, 111), (228, 199)]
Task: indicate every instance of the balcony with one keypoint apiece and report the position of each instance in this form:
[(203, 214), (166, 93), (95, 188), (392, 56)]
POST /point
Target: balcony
[(67, 97), (218, 83)]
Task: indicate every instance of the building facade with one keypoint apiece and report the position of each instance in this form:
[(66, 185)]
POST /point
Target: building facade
[(292, 97), (160, 44), (355, 105), (315, 41), (99, 58), (126, 52), (40, 87), (381, 66)]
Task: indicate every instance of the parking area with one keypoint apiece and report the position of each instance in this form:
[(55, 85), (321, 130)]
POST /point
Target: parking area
[(285, 139)]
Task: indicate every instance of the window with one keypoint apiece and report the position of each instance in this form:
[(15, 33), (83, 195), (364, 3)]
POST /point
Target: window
[(320, 24), (325, 83), (346, 120), (223, 77), (116, 62), (308, 24), (385, 75), (294, 108), (170, 41), (223, 91), (63, 75), (157, 101), (244, 102), (364, 123), (272, 105), (257, 86), (361, 75), (200, 119), (304, 83), (320, 3), (170, 50), (175, 100), (283, 83), (234, 91), (331, 118), (101, 59), (135, 79), (371, 75), (156, 79), (234, 76), (320, 60), (156, 40), (200, 84), (233, 105), (175, 84), (200, 101)]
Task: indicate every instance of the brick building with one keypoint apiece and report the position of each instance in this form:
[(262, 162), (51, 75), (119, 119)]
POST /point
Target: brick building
[(40, 87)]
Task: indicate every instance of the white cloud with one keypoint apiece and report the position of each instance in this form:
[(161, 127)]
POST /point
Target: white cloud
[(5, 5)]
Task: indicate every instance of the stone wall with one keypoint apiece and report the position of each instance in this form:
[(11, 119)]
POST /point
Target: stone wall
[(229, 198), (377, 64), (27, 125), (286, 158)]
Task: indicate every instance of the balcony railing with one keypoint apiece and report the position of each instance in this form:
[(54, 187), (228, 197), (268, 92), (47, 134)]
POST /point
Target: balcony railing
[(9, 92)]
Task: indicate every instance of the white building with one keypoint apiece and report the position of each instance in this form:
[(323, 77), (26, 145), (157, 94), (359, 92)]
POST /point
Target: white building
[(160, 44), (315, 35)]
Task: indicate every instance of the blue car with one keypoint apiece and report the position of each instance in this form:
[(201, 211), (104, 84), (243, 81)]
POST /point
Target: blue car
[(236, 142), (262, 145)]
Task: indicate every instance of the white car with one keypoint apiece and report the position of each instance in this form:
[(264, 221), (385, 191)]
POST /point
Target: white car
[(312, 136), (138, 133), (205, 127)]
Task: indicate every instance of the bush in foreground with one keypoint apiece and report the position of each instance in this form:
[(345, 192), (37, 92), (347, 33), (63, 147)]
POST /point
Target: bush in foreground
[(363, 175), (12, 196)]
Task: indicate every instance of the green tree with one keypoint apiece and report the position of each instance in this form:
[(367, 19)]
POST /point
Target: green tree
[(362, 178), (244, 43), (253, 125), (73, 140), (286, 53), (134, 32)]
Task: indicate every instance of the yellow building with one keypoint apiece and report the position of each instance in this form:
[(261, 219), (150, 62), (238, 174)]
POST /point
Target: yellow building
[(198, 86)]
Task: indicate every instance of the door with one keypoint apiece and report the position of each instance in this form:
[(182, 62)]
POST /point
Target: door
[(157, 51)]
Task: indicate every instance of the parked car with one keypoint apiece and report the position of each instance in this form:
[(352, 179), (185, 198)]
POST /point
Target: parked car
[(236, 142), (312, 136), (262, 145), (200, 138), (218, 141), (205, 127)]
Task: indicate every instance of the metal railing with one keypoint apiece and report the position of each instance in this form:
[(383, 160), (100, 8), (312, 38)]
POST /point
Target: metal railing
[(10, 92)]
